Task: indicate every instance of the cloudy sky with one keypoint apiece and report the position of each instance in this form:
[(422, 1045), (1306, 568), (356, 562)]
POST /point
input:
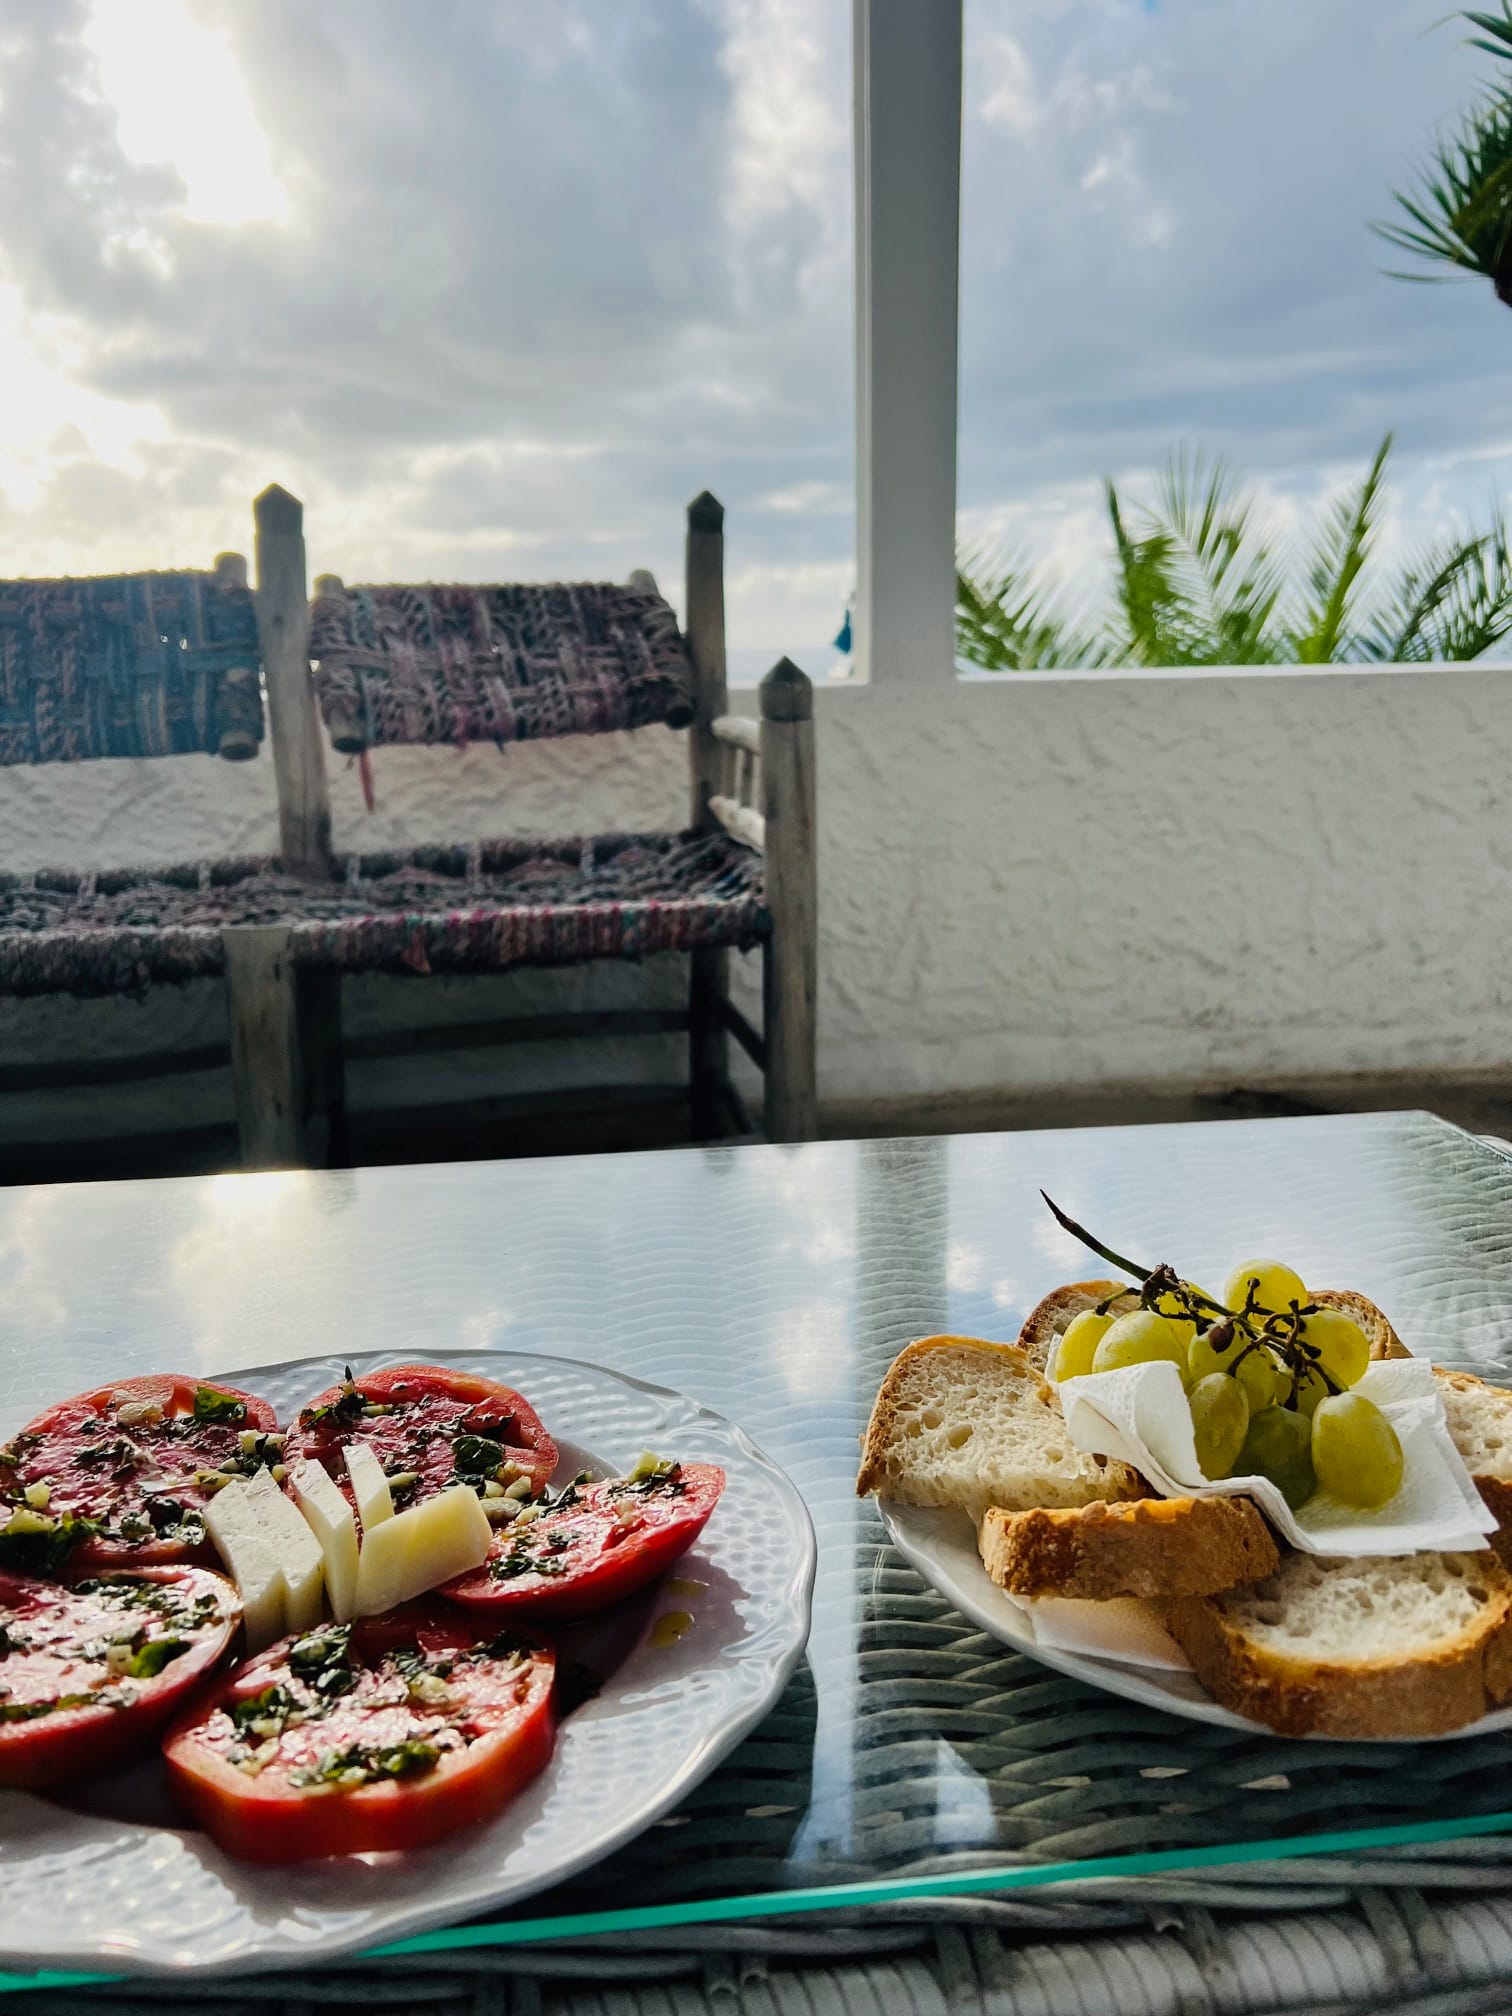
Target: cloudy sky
[(496, 285)]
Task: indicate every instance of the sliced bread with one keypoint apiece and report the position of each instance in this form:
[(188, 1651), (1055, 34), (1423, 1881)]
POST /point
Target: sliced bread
[(1384, 1341), (1411, 1645), (959, 1421), (1154, 1547), (1051, 1318), (1479, 1419)]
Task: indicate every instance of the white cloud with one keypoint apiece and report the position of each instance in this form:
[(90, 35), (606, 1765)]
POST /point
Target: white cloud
[(178, 98)]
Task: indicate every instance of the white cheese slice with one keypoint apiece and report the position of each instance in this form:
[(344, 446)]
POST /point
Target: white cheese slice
[(375, 1502), (329, 1517), (299, 1553), (246, 1546), (420, 1549)]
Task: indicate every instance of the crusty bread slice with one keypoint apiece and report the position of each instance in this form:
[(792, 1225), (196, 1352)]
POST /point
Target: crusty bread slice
[(1154, 1547), (1479, 1419), (1384, 1341), (959, 1421), (1051, 1318), (1408, 1645)]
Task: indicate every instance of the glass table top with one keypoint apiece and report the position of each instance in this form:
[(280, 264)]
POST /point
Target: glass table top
[(912, 1754)]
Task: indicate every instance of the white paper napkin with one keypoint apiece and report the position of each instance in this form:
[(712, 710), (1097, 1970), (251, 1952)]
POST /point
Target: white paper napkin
[(1120, 1628), (1139, 1415)]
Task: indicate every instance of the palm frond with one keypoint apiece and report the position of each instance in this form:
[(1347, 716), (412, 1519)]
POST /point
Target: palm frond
[(1227, 574), (1460, 215), (1340, 551), (1450, 607), (1008, 620), (1497, 26), (1159, 623)]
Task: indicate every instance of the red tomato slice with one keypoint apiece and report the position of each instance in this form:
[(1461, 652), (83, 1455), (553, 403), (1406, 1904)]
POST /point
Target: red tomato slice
[(428, 1424), (382, 1734), (91, 1670), (127, 1458), (594, 1545)]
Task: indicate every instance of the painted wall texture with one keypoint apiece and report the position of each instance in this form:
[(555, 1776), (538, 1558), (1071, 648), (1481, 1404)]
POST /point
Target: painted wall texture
[(1023, 883)]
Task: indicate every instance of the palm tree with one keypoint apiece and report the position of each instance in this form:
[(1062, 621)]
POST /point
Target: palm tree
[(1196, 582), (1460, 216)]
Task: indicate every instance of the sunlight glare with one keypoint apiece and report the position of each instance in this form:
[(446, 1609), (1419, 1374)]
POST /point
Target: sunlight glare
[(179, 98)]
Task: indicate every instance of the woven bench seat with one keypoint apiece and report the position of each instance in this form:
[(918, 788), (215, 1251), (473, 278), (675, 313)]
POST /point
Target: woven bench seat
[(196, 663), (442, 909)]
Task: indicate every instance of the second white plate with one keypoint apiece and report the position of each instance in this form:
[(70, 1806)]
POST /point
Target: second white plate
[(942, 1546)]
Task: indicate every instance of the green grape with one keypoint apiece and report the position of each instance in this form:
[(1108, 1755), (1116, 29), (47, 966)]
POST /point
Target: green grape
[(1080, 1340), (1355, 1451), (1275, 1287), (1279, 1446), (1343, 1348), (1170, 1304), (1220, 1421), (1140, 1338), (1255, 1370), (1205, 1355), (1309, 1389), (1259, 1375)]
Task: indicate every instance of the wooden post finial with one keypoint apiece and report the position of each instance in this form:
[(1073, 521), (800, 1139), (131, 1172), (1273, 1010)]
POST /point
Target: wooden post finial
[(231, 568), (277, 511), (787, 693), (706, 513)]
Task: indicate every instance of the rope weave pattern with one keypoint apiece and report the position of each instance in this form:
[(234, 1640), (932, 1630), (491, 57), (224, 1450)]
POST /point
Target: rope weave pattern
[(446, 664), (459, 909), (127, 665)]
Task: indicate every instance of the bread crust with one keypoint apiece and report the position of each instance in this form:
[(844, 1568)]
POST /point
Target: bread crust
[(1149, 1548), (872, 1475), (1384, 1341), (1051, 1316), (1425, 1695)]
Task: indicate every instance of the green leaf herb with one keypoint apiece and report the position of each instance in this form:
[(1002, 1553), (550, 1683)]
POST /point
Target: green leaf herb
[(211, 1404), (150, 1659), (31, 1544)]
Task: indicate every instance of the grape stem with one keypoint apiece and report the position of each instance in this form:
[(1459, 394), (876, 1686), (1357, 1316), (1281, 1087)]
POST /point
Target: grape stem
[(1154, 1281)]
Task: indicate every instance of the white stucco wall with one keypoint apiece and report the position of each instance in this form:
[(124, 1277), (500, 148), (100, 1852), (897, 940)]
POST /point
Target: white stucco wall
[(1023, 883)]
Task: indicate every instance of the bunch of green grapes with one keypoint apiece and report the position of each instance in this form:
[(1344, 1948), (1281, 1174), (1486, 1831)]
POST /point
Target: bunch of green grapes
[(1267, 1374)]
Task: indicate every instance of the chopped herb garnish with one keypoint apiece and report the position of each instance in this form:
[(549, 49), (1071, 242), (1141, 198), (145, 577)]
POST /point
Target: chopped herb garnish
[(363, 1764), (150, 1659), (503, 1645), (211, 1404), (477, 1456), (32, 1711), (31, 1544), (344, 1410), (274, 1704), (322, 1660)]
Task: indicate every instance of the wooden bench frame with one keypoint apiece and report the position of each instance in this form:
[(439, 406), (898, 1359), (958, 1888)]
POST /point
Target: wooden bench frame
[(286, 1046)]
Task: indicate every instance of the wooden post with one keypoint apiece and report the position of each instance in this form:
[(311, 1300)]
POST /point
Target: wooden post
[(285, 1051), (237, 745), (283, 629), (704, 626), (790, 962)]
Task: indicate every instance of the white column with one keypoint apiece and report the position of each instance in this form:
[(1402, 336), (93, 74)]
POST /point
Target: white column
[(908, 174)]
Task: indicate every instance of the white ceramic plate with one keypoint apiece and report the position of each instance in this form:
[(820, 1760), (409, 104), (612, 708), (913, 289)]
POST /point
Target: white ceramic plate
[(115, 1886), (942, 1546)]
